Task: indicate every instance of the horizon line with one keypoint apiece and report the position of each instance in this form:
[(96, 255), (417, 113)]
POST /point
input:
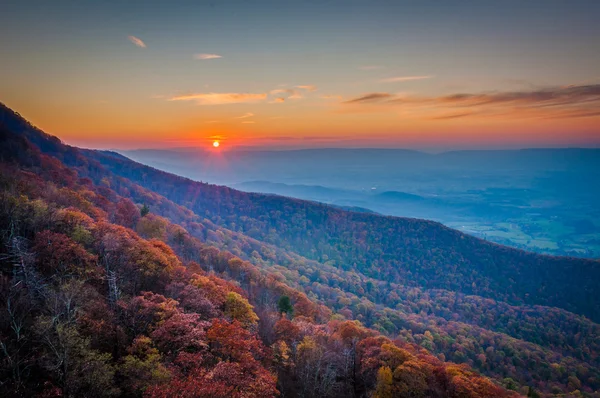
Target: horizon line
[(408, 149)]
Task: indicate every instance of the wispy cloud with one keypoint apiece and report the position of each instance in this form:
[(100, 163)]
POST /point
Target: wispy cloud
[(207, 56), (548, 97), (308, 87), (452, 116), (278, 95), (287, 93), (404, 78), (279, 91), (370, 67), (212, 121), (137, 41), (550, 102), (245, 115), (220, 98), (371, 97)]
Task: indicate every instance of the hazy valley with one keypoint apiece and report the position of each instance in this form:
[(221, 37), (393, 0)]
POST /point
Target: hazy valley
[(543, 200)]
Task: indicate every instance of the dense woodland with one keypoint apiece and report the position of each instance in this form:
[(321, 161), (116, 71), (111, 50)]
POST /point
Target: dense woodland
[(121, 280)]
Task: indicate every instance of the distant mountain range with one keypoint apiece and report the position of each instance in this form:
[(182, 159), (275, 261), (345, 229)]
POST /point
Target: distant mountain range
[(508, 197)]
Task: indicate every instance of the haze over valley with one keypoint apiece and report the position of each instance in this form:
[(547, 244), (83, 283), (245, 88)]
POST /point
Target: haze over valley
[(544, 200)]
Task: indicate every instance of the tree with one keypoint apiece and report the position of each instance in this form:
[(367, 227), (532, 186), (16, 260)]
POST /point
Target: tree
[(410, 380), (142, 368), (144, 210), (238, 308), (281, 354), (394, 356), (141, 314), (304, 307), (181, 332), (60, 257), (384, 383), (315, 368), (192, 299), (152, 226), (79, 370), (286, 330), (231, 342), (127, 213), (15, 310), (285, 305)]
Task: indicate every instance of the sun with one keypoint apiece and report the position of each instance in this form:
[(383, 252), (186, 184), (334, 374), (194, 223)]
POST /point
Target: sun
[(216, 144)]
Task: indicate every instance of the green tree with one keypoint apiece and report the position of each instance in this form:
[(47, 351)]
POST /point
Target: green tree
[(144, 210), (285, 305)]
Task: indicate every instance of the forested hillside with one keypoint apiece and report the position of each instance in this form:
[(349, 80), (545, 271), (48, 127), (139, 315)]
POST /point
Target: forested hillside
[(121, 280), (408, 251)]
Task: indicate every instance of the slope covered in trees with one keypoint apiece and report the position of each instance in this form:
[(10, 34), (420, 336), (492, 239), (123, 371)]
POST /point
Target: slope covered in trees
[(409, 251), (191, 295)]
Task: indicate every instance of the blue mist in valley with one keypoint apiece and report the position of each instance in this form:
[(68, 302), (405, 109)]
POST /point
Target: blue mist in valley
[(543, 200)]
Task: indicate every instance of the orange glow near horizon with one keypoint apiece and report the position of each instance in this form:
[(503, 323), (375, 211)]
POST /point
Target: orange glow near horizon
[(457, 121)]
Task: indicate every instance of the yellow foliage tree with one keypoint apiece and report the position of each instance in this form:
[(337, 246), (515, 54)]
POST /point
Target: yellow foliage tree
[(238, 308), (281, 353), (383, 388)]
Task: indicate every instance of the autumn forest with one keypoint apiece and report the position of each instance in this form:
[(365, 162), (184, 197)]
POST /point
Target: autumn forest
[(120, 280)]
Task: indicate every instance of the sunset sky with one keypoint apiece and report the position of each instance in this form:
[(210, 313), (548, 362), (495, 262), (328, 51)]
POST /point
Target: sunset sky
[(305, 73)]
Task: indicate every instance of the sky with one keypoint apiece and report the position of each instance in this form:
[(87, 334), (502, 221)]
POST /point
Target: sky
[(305, 73)]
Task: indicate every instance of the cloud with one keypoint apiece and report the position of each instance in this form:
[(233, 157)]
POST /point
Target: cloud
[(212, 121), (220, 98), (551, 102), (372, 97), (274, 96), (553, 97), (288, 93), (308, 87), (137, 41), (207, 56), (452, 116), (404, 79), (370, 67), (245, 115), (248, 122)]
